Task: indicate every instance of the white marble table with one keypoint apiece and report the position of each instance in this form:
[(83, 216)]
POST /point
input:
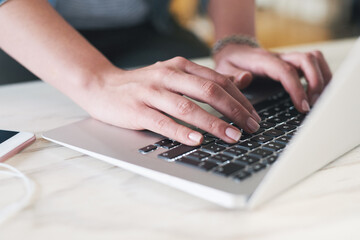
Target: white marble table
[(79, 197)]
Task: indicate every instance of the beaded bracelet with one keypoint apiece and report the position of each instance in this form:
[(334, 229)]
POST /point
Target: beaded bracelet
[(236, 39)]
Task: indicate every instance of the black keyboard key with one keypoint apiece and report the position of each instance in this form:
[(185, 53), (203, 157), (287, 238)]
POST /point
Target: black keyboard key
[(285, 127), (286, 104), (242, 175), (257, 167), (225, 144), (147, 149), (275, 110), (271, 159), (235, 151), (246, 159), (294, 111), (188, 161), (176, 152), (274, 133), (265, 114), (248, 145), (171, 145), (267, 125), (163, 142), (261, 139), (287, 115), (292, 133), (261, 153), (208, 139), (277, 120), (221, 158), (208, 135), (260, 130), (294, 122), (213, 148), (245, 136), (198, 155), (229, 169), (274, 146), (283, 139), (301, 117), (207, 165)]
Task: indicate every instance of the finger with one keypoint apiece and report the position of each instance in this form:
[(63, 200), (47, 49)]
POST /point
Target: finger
[(308, 64), (242, 79), (212, 93), (264, 63), (224, 82), (189, 112), (159, 123), (325, 69)]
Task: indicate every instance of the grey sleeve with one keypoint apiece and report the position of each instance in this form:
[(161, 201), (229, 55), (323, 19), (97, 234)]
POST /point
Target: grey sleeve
[(2, 2)]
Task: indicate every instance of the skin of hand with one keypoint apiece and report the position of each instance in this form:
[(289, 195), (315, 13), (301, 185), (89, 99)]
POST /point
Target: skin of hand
[(34, 34), (233, 17), (141, 98), (241, 61)]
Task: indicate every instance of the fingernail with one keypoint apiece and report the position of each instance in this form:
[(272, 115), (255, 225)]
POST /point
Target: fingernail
[(233, 134), (305, 106), (252, 124), (314, 98), (195, 137), (256, 116)]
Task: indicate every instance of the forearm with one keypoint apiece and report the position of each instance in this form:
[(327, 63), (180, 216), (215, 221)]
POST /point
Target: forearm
[(36, 36), (232, 17)]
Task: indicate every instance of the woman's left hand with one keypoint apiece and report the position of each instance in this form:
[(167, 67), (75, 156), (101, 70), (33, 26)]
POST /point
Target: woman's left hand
[(241, 61)]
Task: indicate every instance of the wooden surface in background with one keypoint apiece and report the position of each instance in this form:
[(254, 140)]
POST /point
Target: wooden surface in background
[(273, 29)]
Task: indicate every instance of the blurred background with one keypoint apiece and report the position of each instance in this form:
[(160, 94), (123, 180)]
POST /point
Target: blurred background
[(283, 22)]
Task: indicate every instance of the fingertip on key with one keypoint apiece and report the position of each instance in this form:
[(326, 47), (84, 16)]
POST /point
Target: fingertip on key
[(233, 134)]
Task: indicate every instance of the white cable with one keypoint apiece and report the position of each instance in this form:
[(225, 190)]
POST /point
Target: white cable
[(13, 208)]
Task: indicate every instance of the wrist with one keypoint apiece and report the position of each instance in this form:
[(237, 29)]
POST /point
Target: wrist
[(87, 84)]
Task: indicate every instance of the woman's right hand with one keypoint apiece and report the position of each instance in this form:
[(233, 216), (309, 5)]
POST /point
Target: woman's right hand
[(142, 99)]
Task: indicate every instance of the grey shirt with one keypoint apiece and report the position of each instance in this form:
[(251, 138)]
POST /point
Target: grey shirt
[(100, 14)]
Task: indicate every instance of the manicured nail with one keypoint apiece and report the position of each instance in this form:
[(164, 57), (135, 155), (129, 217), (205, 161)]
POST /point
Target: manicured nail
[(195, 137), (305, 106), (252, 124), (256, 116), (314, 98), (233, 134)]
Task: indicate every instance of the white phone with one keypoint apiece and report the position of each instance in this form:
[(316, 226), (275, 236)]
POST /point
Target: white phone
[(12, 142)]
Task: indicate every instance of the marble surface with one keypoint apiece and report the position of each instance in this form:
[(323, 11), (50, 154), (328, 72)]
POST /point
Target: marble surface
[(79, 197)]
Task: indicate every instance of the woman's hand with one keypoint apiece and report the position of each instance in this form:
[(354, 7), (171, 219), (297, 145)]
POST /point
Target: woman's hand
[(241, 61), (142, 99)]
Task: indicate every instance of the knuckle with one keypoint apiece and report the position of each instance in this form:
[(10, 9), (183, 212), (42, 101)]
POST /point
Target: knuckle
[(236, 113), (159, 63), (165, 72), (309, 57), (180, 61), (223, 81), (179, 133), (318, 54), (185, 107), (212, 125), (287, 69), (162, 123), (209, 89)]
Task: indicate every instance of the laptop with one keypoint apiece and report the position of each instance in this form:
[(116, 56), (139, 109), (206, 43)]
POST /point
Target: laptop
[(288, 147)]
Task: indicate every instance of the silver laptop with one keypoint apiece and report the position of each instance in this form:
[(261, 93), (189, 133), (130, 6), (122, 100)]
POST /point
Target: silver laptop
[(288, 147)]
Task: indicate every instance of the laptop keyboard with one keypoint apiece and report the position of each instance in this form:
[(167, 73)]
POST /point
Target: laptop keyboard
[(253, 153)]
